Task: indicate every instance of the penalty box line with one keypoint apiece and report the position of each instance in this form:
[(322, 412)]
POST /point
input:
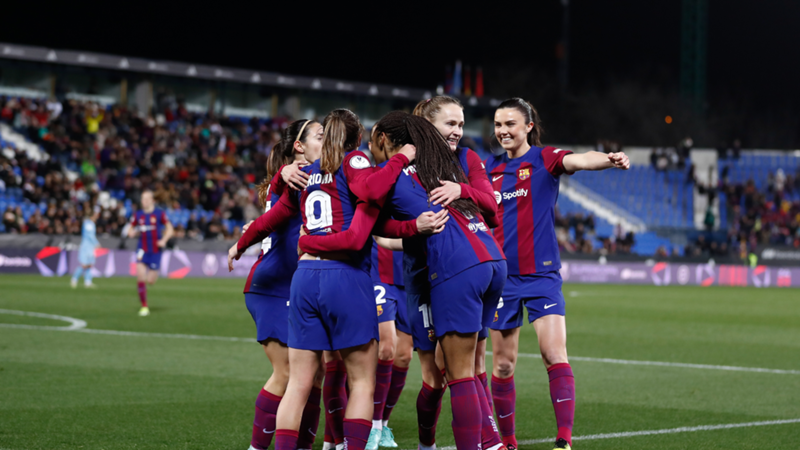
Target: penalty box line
[(79, 326), (629, 434)]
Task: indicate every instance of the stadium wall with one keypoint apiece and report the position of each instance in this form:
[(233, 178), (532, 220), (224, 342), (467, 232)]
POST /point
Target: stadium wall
[(51, 260)]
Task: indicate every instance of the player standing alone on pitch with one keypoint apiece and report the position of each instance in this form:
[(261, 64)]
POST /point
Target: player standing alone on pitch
[(149, 223), (86, 251), (525, 180)]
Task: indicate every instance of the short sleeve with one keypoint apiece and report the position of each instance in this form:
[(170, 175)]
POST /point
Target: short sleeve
[(554, 160)]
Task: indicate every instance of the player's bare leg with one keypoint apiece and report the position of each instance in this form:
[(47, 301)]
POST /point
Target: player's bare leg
[(303, 367), (361, 362), (552, 333), (141, 284)]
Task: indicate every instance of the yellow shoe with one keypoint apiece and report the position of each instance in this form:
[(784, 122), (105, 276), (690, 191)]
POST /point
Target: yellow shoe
[(562, 444), (144, 311)]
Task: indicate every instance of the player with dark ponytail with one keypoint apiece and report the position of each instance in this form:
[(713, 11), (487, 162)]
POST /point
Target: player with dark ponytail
[(266, 290), (526, 179), (457, 274)]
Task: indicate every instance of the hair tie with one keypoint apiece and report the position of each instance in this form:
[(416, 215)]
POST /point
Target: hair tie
[(300, 134), (427, 101)]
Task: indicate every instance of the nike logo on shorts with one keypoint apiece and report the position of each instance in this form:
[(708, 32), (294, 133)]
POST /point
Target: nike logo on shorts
[(550, 306)]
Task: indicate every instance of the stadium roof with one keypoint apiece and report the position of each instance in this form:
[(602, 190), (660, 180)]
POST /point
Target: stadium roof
[(217, 73)]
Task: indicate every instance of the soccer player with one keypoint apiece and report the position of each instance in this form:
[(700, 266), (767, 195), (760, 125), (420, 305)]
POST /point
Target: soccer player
[(86, 251), (525, 179), (447, 115), (267, 288), (149, 222), (461, 270), (321, 316)]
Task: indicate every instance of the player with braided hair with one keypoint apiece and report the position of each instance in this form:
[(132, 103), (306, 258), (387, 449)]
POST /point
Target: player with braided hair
[(455, 276), (526, 178)]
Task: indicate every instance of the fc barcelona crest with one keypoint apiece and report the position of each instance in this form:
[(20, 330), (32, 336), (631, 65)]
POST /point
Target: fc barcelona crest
[(431, 335), (380, 310), (524, 174), (496, 316)]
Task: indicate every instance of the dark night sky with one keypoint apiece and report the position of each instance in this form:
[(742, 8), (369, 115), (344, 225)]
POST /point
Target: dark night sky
[(753, 49)]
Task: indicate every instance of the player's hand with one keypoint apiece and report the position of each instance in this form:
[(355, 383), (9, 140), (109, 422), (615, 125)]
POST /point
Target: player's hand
[(294, 177), (432, 223), (620, 160), (409, 151), (161, 243), (246, 226), (449, 192), (303, 232), (233, 254)]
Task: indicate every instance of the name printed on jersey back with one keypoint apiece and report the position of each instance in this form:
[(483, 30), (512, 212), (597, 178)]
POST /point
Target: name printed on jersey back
[(318, 178)]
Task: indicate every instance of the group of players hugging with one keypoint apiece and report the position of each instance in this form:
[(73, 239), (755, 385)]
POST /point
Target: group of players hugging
[(449, 249)]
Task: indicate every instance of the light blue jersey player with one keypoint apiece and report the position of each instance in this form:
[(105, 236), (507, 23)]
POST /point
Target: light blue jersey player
[(89, 243)]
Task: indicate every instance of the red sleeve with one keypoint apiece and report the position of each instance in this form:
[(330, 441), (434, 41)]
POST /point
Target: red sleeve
[(164, 220), (395, 229), (492, 221), (133, 219), (479, 188), (352, 239), (554, 160), (268, 222), (372, 184), (277, 185)]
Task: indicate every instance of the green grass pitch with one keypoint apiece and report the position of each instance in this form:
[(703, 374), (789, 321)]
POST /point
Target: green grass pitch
[(77, 390)]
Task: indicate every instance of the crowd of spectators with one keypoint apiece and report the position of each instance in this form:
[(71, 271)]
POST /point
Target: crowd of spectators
[(754, 218), (191, 161), (575, 233)]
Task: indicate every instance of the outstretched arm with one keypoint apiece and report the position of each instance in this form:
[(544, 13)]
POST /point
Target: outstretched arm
[(595, 161)]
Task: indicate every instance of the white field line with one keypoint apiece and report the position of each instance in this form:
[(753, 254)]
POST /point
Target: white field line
[(78, 325), (628, 434), (668, 364)]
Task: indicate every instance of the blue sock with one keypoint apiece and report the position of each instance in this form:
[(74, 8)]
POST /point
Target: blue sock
[(87, 276), (77, 273)]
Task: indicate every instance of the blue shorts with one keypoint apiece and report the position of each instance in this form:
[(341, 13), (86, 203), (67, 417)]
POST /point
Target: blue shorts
[(391, 303), (86, 255), (418, 310), (539, 293), (332, 307), (271, 315), (151, 260), (466, 302)]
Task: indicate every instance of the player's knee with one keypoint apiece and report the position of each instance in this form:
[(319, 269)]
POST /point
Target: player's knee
[(505, 368), (403, 359), (385, 351), (554, 356)]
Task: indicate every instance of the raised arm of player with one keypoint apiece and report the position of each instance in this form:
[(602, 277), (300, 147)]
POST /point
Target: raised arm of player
[(595, 161), (133, 228), (372, 184)]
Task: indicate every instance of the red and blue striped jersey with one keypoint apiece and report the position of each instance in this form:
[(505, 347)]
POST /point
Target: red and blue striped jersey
[(328, 206), (387, 266), (464, 242), (149, 226), (526, 190), (272, 272)]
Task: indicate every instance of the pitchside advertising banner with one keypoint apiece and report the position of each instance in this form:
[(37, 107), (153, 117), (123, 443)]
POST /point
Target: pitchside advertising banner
[(54, 261)]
